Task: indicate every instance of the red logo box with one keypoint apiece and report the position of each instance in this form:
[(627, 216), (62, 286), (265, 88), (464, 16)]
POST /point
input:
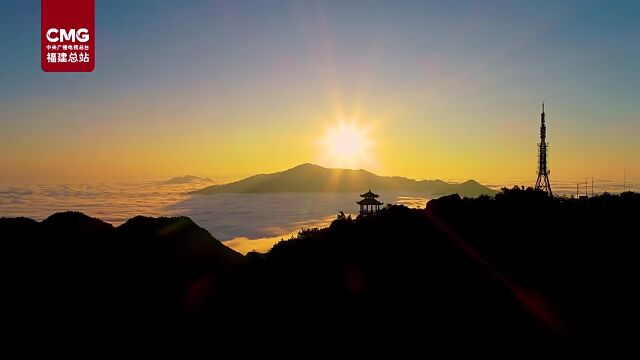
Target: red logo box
[(68, 35)]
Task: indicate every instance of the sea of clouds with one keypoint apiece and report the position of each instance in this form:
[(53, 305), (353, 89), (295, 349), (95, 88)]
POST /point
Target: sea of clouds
[(244, 222)]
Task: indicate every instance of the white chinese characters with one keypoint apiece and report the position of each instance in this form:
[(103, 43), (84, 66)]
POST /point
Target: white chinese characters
[(63, 57)]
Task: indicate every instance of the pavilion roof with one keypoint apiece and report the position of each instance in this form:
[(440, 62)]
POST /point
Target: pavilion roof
[(369, 201), (369, 194)]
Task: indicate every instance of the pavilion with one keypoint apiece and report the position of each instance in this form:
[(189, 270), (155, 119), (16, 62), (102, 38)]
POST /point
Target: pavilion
[(369, 204)]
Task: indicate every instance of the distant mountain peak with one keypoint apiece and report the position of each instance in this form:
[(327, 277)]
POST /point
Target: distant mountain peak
[(186, 179), (314, 178), (303, 165), (320, 167), (307, 166)]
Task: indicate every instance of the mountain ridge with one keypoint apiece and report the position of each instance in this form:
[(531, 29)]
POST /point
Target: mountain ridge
[(311, 178), (186, 179)]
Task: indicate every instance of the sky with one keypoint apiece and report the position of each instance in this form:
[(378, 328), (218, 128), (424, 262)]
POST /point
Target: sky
[(227, 89)]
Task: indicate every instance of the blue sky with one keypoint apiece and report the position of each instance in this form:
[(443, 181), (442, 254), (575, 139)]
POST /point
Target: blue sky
[(471, 75)]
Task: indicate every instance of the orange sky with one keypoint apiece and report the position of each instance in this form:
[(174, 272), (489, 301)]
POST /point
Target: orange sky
[(444, 91)]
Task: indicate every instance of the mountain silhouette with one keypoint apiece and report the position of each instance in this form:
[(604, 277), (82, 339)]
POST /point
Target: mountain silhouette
[(518, 268), (79, 273), (315, 178), (185, 179)]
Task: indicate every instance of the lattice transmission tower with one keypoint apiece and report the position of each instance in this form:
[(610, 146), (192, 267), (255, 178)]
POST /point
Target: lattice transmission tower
[(543, 182)]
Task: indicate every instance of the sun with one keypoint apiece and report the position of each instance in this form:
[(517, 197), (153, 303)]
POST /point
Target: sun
[(346, 144)]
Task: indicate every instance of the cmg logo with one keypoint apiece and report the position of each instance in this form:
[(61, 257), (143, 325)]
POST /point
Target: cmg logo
[(54, 35), (67, 35)]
